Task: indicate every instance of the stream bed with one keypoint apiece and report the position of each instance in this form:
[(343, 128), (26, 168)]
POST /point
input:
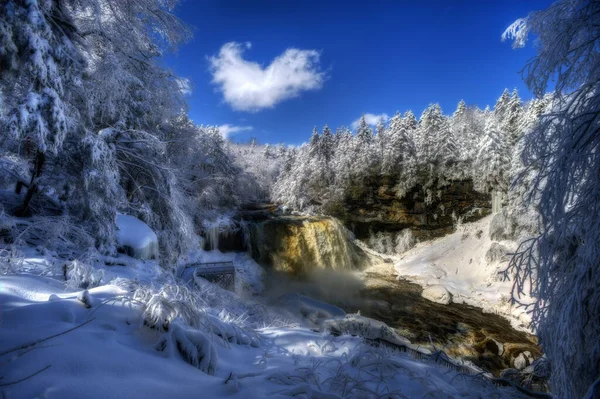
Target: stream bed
[(463, 331)]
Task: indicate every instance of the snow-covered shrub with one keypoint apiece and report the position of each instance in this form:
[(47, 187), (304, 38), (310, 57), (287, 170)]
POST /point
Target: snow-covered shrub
[(502, 226), (195, 347), (245, 313), (11, 260), (457, 221), (169, 302), (390, 243), (228, 328), (81, 274), (57, 233), (381, 242), (497, 253)]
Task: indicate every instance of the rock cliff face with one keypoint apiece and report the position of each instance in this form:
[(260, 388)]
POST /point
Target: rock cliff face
[(428, 213), (295, 243)]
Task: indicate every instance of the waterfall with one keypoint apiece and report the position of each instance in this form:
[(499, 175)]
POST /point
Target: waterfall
[(212, 237), (497, 199), (223, 234), (299, 244)]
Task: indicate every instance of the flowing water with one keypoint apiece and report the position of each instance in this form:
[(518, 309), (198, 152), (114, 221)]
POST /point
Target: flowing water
[(315, 257), (463, 331), (297, 245)]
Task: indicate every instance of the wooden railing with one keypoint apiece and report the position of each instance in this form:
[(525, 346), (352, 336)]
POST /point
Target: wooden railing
[(221, 273)]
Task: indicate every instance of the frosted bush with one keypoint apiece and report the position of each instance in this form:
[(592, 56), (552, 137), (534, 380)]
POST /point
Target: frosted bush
[(404, 241), (171, 301), (56, 233), (497, 253), (82, 275), (428, 197), (228, 328), (244, 313), (382, 243), (457, 221), (195, 347), (11, 260)]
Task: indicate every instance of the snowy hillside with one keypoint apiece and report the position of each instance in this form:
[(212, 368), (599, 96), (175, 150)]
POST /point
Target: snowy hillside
[(467, 264)]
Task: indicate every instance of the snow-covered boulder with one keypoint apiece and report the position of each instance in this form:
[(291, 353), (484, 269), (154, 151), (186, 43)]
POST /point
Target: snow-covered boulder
[(520, 362), (437, 294), (355, 324), (136, 238)]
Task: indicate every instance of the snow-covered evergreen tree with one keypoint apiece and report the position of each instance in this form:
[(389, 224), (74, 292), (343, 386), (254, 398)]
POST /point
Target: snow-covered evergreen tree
[(513, 119), (460, 129), (365, 151), (492, 159), (400, 152), (501, 107), (436, 146)]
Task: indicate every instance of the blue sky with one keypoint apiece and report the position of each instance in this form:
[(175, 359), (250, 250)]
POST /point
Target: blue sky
[(351, 58)]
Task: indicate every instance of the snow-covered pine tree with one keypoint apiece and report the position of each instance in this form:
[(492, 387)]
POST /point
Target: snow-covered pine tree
[(365, 151), (399, 158), (344, 159), (430, 124), (513, 119), (459, 127), (381, 138), (314, 143), (501, 107), (364, 133), (436, 148), (411, 123), (267, 151), (328, 148), (400, 152), (327, 144), (389, 160), (492, 159)]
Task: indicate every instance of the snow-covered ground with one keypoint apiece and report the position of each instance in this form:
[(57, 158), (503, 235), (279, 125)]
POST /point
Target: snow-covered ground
[(460, 263), (113, 353)]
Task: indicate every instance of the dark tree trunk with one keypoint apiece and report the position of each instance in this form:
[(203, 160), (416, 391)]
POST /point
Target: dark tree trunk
[(40, 159)]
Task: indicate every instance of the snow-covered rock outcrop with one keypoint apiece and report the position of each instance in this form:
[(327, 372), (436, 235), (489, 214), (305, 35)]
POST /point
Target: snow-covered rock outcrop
[(136, 238)]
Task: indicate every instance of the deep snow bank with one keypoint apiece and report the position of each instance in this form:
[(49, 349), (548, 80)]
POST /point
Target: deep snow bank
[(115, 355)]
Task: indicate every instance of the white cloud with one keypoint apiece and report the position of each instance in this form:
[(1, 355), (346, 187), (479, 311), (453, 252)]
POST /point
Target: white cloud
[(227, 130), (372, 119), (185, 86), (249, 86)]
